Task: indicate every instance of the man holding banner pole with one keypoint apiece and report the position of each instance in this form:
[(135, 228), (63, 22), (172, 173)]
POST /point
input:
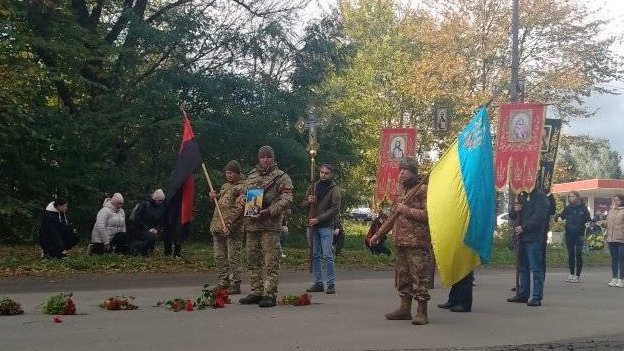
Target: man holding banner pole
[(410, 232), (534, 217)]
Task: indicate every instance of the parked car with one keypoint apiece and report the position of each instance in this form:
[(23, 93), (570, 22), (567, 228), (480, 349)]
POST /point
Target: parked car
[(502, 218), (361, 214)]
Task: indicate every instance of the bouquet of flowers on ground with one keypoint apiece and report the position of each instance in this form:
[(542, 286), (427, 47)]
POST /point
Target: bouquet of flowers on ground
[(294, 300), (176, 305), (214, 298), (117, 303), (9, 307), (59, 304)]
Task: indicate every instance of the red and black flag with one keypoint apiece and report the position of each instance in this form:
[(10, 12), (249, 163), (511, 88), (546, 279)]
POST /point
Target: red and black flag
[(181, 191)]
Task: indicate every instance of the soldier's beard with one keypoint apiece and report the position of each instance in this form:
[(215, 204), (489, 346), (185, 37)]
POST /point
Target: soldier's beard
[(409, 182)]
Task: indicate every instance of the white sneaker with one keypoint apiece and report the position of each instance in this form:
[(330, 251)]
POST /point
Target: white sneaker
[(575, 279), (613, 283), (570, 278), (620, 283)]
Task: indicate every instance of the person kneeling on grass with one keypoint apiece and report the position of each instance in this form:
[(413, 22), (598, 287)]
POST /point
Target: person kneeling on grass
[(55, 234), (109, 231), (148, 222)]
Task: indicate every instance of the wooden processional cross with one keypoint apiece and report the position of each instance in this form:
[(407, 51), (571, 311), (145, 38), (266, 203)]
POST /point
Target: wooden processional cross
[(312, 124)]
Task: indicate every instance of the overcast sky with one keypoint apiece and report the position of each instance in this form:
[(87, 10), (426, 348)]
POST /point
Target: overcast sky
[(609, 119)]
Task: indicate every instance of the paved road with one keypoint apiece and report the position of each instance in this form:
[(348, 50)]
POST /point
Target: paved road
[(586, 316)]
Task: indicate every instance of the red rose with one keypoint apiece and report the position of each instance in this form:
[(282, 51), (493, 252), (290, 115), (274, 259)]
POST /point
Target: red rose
[(70, 307), (219, 302), (189, 305)]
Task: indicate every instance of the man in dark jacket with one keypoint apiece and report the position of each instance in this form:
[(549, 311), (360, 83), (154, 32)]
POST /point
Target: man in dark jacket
[(577, 217), (55, 235), (326, 202), (149, 222), (530, 229)]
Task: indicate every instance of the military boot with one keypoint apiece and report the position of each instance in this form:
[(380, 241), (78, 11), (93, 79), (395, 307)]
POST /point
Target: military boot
[(421, 314), (220, 287), (250, 299), (234, 289), (404, 312)]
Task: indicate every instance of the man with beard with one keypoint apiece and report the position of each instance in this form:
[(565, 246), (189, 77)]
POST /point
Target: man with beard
[(412, 242), (263, 229), (326, 202)]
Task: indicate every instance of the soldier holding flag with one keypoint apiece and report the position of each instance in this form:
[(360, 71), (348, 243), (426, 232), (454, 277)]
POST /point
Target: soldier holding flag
[(228, 241)]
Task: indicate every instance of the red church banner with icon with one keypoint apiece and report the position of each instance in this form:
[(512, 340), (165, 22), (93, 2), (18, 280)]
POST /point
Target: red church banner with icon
[(395, 144), (518, 144)]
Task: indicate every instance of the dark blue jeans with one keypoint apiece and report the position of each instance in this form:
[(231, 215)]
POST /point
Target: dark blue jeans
[(617, 260), (323, 239), (531, 262)]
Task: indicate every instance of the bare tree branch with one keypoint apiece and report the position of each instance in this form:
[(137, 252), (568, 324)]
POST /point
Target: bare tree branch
[(96, 13), (121, 22), (270, 9), (168, 7)]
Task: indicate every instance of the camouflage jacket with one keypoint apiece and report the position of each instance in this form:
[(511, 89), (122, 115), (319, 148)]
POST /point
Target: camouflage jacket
[(412, 229), (277, 199), (228, 195)]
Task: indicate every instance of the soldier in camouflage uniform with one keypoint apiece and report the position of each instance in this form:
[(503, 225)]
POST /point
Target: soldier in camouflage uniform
[(263, 230), (412, 240), (228, 242)]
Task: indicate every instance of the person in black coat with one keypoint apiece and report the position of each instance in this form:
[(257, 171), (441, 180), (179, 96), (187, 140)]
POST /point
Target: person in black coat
[(577, 217), (532, 219), (55, 235), (339, 236), (148, 222)]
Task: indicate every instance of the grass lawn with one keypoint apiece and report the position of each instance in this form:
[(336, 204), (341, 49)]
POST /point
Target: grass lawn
[(25, 260)]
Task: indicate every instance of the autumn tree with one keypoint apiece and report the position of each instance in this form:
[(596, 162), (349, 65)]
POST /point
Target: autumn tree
[(584, 157)]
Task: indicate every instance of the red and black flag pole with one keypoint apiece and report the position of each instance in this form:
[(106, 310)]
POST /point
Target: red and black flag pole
[(181, 191)]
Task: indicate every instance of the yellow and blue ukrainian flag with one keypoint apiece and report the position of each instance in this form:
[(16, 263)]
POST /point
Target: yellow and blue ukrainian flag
[(461, 202)]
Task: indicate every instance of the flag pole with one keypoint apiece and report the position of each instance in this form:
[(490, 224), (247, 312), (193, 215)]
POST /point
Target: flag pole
[(215, 201)]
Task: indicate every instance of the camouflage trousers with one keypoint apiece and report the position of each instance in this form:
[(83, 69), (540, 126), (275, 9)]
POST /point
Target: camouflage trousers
[(227, 255), (411, 271), (263, 262)]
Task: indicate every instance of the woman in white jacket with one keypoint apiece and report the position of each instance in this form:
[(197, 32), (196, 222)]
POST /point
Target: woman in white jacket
[(109, 231)]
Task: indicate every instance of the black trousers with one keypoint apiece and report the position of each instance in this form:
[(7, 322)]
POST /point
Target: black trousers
[(54, 247), (339, 242), (119, 244), (144, 243), (461, 292), (172, 246), (574, 244)]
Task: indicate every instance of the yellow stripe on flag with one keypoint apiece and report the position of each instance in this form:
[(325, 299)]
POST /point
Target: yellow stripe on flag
[(449, 215)]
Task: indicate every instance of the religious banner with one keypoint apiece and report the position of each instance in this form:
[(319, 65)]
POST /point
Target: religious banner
[(396, 143), (548, 150), (518, 145), (442, 117)]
